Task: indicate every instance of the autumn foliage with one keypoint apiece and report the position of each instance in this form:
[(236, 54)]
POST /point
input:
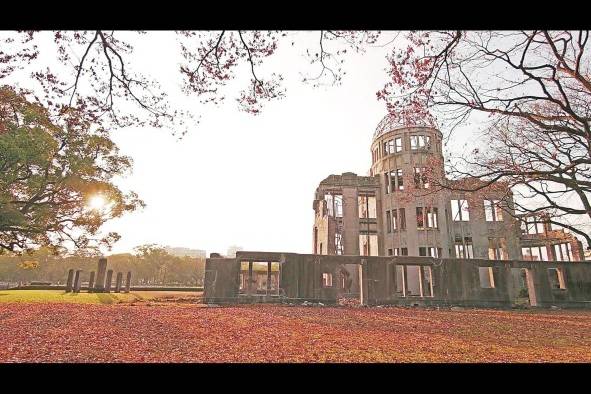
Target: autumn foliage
[(44, 332)]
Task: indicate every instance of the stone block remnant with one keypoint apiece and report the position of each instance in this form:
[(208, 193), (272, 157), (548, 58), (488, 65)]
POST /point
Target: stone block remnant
[(77, 281), (69, 281), (99, 286), (118, 282), (91, 282), (128, 282), (108, 281), (397, 280)]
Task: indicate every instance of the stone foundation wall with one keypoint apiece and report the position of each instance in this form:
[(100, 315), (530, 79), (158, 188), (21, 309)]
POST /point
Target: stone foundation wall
[(451, 282)]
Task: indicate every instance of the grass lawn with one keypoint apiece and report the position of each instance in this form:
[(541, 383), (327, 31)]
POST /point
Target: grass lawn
[(176, 332), (88, 298)]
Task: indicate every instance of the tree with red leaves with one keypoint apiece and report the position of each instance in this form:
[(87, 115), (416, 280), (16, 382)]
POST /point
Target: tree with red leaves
[(535, 89), (93, 71)]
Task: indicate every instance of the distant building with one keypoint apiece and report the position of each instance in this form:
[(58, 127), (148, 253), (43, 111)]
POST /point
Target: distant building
[(232, 251), (185, 252)]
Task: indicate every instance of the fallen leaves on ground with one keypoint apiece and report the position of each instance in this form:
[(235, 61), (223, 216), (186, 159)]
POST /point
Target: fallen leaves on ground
[(44, 332)]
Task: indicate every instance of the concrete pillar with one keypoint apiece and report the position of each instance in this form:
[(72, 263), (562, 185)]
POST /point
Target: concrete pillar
[(118, 282), (250, 279), (69, 282), (99, 286), (128, 282), (91, 282), (77, 281), (108, 281), (269, 277), (362, 283)]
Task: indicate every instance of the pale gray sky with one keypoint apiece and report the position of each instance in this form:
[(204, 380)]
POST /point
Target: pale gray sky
[(243, 179)]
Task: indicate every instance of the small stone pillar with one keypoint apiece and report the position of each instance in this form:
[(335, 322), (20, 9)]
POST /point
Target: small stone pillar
[(128, 282), (109, 281), (69, 282), (91, 282), (269, 264), (77, 281), (118, 282), (99, 286)]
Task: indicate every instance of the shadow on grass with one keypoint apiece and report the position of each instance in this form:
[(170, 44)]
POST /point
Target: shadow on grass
[(106, 298), (103, 298)]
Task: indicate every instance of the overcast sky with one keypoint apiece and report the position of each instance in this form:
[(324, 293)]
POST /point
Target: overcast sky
[(243, 179)]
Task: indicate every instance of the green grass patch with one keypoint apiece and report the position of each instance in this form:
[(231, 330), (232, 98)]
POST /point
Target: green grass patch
[(63, 297)]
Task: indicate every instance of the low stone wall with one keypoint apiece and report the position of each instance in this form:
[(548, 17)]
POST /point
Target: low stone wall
[(405, 281)]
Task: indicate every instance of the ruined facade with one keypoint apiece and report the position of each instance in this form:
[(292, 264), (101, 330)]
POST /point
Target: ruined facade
[(395, 238), (404, 209)]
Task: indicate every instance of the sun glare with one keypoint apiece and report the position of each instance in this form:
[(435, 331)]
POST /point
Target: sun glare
[(97, 202)]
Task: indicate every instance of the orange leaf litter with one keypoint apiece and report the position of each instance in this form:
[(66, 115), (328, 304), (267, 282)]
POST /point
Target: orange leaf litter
[(44, 332)]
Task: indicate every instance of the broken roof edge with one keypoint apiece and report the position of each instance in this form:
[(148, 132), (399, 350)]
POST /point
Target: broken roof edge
[(349, 179)]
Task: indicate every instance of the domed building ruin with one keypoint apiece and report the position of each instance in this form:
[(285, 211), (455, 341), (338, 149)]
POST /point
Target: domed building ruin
[(407, 235), (407, 207)]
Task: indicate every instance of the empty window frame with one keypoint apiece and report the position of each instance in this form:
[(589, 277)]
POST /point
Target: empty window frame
[(367, 207), (487, 278), (429, 251), (244, 277), (389, 147), (368, 244), (459, 211), (413, 279), (275, 277), (420, 218), (388, 222), (400, 251), (465, 249), (389, 185), (419, 142), (402, 217), (532, 225), (419, 281), (427, 282), (420, 178), (338, 243), (493, 211), (534, 253), (431, 216), (398, 144), (394, 224), (334, 205), (556, 278), (563, 252), (497, 249), (426, 217), (326, 279), (390, 252), (259, 277), (399, 179)]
